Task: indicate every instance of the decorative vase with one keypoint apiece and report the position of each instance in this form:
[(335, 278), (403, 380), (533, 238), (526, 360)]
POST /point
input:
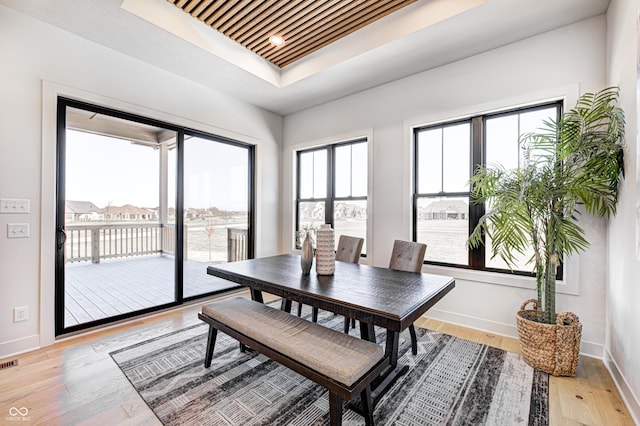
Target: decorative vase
[(552, 348), (306, 260), (325, 250)]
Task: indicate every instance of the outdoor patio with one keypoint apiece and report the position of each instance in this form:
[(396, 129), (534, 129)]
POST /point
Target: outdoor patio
[(112, 287)]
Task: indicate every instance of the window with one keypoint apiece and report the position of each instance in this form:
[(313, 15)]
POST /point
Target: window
[(332, 188), (445, 156)]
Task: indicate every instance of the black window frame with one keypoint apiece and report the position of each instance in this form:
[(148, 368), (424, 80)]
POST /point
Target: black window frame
[(330, 199), (477, 140)]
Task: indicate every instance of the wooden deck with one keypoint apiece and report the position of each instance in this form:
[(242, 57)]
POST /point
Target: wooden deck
[(112, 287)]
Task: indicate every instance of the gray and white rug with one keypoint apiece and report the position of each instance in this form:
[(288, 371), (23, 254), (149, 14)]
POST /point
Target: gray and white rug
[(451, 381)]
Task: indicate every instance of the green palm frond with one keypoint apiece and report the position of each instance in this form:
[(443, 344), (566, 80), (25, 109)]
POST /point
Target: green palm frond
[(575, 160)]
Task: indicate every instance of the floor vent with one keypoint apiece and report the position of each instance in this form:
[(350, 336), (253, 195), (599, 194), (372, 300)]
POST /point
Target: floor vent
[(8, 364)]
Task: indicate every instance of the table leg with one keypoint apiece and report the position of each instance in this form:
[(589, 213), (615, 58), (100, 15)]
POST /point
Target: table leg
[(389, 376), (286, 305), (391, 348), (367, 332), (256, 295)]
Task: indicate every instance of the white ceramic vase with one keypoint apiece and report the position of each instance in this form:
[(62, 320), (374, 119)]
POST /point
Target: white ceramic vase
[(325, 250)]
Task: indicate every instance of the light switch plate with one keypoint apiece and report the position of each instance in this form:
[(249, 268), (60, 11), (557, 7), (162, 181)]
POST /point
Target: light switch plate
[(14, 205), (17, 230)]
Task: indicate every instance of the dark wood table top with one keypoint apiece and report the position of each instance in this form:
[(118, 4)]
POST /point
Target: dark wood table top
[(374, 295)]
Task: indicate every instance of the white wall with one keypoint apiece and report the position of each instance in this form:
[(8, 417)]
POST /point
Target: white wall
[(38, 62), (623, 289), (532, 70)]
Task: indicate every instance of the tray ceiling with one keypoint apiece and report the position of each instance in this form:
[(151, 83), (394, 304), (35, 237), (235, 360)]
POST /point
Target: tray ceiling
[(422, 36), (305, 26)]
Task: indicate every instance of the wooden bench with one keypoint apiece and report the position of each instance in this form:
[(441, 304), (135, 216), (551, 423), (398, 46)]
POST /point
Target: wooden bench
[(342, 364)]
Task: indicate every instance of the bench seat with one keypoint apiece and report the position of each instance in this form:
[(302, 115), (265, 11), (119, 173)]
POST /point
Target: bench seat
[(339, 356), (343, 364)]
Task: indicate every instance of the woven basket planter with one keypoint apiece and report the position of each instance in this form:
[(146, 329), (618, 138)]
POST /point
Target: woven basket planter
[(552, 348)]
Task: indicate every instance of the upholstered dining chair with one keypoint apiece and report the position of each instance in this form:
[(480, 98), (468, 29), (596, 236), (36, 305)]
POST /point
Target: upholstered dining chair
[(349, 249), (408, 256)]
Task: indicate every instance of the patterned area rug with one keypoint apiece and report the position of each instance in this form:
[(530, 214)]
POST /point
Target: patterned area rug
[(451, 381)]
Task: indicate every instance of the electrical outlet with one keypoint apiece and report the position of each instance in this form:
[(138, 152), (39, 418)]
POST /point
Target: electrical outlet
[(20, 314)]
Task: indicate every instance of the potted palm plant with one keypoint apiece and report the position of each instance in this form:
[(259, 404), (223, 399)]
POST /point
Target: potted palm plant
[(574, 160)]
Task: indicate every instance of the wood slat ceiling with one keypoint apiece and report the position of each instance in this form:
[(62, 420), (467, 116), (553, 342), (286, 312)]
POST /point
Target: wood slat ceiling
[(306, 26)]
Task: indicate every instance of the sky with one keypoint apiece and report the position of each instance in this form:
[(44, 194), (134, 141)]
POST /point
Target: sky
[(110, 171)]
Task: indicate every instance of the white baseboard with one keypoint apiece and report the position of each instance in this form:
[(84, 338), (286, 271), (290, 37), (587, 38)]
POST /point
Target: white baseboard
[(481, 324), (19, 346), (629, 398), (591, 349)]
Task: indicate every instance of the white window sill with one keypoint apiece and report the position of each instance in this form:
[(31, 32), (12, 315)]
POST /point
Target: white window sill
[(569, 285)]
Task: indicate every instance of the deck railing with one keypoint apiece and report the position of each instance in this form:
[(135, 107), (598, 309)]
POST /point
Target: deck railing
[(105, 241), (97, 242), (236, 244)]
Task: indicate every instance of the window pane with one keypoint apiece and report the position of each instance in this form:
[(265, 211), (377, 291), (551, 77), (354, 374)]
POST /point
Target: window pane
[(313, 174), (310, 213), (430, 161), (343, 171), (320, 174), (497, 262), (350, 218), (216, 194), (533, 121), (502, 141), (521, 260), (503, 134), (216, 209), (359, 169), (351, 170), (443, 224), (346, 174), (305, 168), (456, 158)]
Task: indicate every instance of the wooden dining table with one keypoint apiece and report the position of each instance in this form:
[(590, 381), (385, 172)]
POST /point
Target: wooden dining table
[(372, 295)]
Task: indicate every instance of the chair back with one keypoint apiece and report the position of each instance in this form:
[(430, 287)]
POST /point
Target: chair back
[(349, 249), (407, 256)]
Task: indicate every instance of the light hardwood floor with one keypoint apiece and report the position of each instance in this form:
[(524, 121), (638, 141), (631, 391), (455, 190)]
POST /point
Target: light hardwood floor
[(75, 382)]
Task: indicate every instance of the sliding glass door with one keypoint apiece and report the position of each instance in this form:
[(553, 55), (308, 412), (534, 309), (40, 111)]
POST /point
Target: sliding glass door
[(216, 209), (143, 208)]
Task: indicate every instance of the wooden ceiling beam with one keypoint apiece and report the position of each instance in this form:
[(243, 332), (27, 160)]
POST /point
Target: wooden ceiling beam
[(317, 42), (306, 25), (201, 7), (190, 6), (179, 3), (251, 11), (231, 15), (222, 9), (296, 24), (240, 29), (210, 10), (298, 32), (276, 25), (331, 26), (261, 28)]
